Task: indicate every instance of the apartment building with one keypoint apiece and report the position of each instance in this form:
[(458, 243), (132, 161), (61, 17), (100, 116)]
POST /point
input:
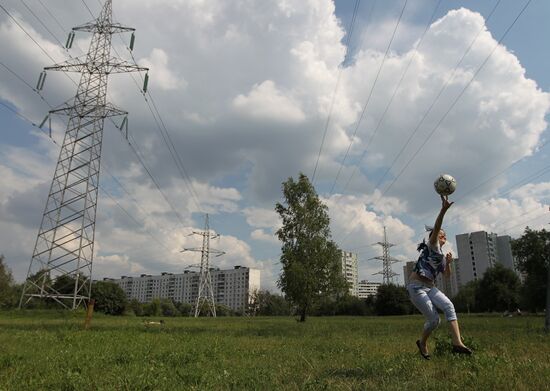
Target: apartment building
[(232, 288), (367, 288), (478, 251), (349, 270)]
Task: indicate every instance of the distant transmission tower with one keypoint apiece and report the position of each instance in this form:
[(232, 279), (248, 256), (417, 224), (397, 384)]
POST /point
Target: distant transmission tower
[(205, 295), (61, 264), (387, 260)]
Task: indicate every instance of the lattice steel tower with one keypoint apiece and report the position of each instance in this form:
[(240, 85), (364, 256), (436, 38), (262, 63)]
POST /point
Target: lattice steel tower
[(64, 247), (387, 261), (205, 294)]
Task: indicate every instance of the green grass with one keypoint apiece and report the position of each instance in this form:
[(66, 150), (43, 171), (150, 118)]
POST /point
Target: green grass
[(51, 351)]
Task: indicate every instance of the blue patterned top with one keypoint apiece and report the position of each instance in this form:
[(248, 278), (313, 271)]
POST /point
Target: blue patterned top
[(431, 261)]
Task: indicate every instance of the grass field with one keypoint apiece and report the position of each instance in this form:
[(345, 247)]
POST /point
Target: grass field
[(51, 351)]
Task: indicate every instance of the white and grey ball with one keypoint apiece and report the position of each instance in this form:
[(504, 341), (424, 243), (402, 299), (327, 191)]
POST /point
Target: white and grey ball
[(445, 185)]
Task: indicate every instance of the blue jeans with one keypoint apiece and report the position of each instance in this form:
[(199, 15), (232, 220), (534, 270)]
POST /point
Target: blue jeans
[(427, 300)]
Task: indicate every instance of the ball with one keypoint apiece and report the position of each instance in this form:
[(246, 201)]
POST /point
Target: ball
[(445, 185)]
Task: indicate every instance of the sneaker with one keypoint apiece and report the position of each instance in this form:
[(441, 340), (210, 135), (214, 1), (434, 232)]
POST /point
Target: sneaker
[(424, 355), (462, 350)]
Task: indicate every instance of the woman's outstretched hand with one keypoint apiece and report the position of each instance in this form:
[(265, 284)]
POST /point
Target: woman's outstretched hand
[(449, 258), (445, 204)]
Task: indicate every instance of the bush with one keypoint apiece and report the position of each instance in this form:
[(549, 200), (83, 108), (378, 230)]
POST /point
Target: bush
[(185, 309), (393, 300), (167, 308), (465, 299), (136, 307), (109, 298), (223, 310), (152, 309), (265, 303), (351, 305), (498, 290)]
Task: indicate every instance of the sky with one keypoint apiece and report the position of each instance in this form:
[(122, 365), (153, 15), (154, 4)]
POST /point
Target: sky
[(371, 105)]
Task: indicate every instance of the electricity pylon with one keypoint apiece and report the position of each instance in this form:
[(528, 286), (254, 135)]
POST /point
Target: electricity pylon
[(61, 264), (387, 260), (205, 294)]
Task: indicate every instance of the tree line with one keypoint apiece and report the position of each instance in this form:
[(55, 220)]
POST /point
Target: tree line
[(312, 281), (499, 290)]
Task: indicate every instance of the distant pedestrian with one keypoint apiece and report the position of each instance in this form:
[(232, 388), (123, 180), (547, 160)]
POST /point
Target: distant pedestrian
[(422, 291)]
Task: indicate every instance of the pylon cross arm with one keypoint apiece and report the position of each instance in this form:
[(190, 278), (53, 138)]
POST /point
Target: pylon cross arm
[(99, 111), (113, 65), (116, 65), (112, 28)]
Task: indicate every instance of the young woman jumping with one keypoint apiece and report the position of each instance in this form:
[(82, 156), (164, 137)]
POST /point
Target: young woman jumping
[(422, 291)]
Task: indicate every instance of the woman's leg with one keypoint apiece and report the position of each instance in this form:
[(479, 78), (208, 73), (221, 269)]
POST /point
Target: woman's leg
[(442, 302), (455, 333), (419, 297)]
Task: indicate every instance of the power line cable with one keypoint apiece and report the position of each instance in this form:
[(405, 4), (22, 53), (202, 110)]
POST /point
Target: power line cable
[(88, 8), (443, 88), (341, 67), (25, 118), (510, 228), (504, 221), (41, 22), (161, 128), (451, 106), (35, 41), (52, 16), (181, 168), (18, 114), (27, 33), (507, 168), (16, 75), (394, 92), (492, 178), (370, 95), (457, 98), (508, 190), (134, 147)]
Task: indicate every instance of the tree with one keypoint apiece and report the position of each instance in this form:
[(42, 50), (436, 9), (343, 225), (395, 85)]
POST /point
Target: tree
[(270, 304), (136, 307), (223, 310), (184, 309), (152, 308), (351, 305), (465, 299), (498, 290), (64, 284), (310, 259), (532, 252), (7, 286), (167, 308), (109, 298), (392, 300), (34, 282)]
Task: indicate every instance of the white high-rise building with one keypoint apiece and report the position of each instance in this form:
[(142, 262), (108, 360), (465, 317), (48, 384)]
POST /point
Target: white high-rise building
[(232, 288), (349, 270), (407, 270), (504, 250), (367, 288), (448, 285), (478, 251)]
